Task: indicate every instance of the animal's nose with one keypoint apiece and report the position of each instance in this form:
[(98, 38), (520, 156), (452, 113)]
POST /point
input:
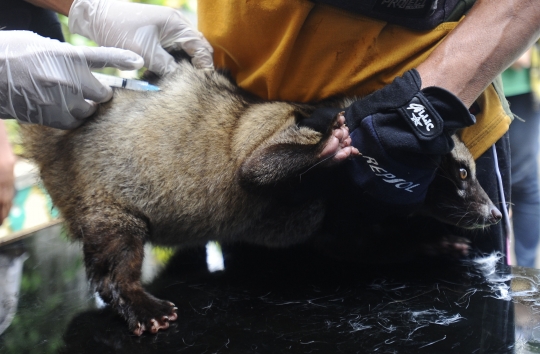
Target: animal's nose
[(496, 215)]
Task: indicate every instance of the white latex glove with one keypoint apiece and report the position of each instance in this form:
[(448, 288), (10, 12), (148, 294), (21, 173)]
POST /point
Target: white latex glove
[(47, 82), (143, 29)]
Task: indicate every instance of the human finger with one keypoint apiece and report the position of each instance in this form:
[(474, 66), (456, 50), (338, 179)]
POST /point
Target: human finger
[(107, 57), (83, 109)]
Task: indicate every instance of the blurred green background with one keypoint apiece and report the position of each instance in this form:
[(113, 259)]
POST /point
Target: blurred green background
[(189, 6)]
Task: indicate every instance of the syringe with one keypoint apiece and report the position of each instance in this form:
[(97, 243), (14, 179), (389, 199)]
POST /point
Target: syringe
[(120, 82)]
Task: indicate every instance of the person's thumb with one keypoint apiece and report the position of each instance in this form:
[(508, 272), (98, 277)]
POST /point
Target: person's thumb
[(107, 57)]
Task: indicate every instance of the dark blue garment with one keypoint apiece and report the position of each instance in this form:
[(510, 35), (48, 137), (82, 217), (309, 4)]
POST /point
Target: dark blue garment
[(414, 14), (387, 178), (525, 194), (20, 15), (401, 132)]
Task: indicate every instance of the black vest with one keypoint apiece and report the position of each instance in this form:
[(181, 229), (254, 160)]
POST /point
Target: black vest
[(414, 14)]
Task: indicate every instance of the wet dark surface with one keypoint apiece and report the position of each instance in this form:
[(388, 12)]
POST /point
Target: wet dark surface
[(270, 301)]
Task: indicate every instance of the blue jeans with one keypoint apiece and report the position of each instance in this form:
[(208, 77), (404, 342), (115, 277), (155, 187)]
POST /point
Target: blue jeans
[(525, 195)]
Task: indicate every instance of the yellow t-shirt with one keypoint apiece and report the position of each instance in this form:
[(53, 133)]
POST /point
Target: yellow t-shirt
[(297, 50)]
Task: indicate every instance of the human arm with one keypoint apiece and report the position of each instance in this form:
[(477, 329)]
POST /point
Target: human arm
[(7, 179), (490, 38), (60, 6), (148, 30), (486, 42)]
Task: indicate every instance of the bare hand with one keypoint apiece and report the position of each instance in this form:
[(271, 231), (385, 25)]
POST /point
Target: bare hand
[(7, 178)]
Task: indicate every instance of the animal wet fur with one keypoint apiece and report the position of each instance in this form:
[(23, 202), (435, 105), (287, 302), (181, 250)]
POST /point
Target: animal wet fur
[(200, 160)]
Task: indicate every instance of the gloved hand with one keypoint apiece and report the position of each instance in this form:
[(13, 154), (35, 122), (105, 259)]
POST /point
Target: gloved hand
[(143, 29), (47, 82), (402, 132)]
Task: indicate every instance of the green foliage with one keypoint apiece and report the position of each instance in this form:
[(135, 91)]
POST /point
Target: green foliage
[(14, 137), (72, 38), (24, 336), (163, 254), (49, 295)]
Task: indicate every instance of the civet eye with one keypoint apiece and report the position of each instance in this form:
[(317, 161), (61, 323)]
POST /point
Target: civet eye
[(463, 173)]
